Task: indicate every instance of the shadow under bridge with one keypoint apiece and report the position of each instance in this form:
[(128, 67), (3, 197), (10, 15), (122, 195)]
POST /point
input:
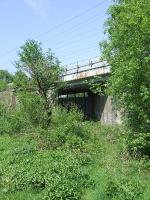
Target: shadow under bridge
[(77, 90)]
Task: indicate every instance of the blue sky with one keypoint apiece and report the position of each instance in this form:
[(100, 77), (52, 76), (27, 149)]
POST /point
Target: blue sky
[(71, 28)]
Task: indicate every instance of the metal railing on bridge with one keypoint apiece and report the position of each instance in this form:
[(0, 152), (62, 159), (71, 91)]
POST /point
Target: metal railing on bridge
[(92, 68)]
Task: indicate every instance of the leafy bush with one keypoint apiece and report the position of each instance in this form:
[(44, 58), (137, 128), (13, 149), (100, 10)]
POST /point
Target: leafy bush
[(32, 106), (139, 144), (3, 85), (68, 128), (2, 109), (124, 189), (47, 161), (28, 112), (6, 76), (71, 122), (59, 174), (12, 121), (71, 159)]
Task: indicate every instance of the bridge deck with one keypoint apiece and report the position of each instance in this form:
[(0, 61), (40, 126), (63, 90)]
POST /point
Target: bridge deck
[(85, 71)]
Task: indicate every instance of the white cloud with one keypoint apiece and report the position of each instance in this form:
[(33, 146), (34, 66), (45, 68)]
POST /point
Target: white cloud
[(40, 6)]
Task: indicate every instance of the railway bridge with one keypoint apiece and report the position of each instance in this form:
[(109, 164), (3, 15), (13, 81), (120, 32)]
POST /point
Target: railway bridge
[(77, 91)]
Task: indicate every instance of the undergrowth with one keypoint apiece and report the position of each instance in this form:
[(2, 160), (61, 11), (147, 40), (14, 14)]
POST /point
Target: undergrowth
[(72, 159)]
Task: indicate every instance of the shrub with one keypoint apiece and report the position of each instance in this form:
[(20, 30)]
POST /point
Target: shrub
[(58, 174), (124, 189), (71, 122), (28, 112), (139, 144), (3, 85), (32, 105), (67, 128), (12, 121), (2, 110)]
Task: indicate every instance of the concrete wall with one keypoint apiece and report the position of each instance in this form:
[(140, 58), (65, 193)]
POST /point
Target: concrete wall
[(95, 107), (8, 98), (104, 110)]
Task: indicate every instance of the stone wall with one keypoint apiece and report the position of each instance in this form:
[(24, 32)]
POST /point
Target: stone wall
[(8, 98)]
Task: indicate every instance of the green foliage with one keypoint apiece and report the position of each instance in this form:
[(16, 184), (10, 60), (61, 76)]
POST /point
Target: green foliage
[(59, 174), (3, 85), (40, 72), (20, 195), (22, 82), (124, 189), (139, 144), (116, 175), (6, 76), (98, 85), (129, 60), (98, 170), (72, 159), (33, 164), (2, 109), (43, 68), (52, 173), (32, 105), (71, 123), (13, 121), (127, 51), (29, 112), (68, 127)]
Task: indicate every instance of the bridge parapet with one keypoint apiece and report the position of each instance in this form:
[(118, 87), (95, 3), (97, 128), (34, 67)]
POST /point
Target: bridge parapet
[(93, 68)]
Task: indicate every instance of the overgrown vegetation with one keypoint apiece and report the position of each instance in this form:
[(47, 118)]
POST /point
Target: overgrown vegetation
[(72, 159), (38, 75), (49, 153), (127, 51), (5, 79)]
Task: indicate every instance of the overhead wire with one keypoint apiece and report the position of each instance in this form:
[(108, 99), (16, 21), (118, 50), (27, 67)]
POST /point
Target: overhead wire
[(80, 50), (82, 60), (59, 25), (74, 28), (77, 44), (72, 18), (62, 43)]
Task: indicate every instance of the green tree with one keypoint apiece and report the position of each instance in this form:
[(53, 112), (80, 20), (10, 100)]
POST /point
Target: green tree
[(40, 73), (127, 50), (6, 76), (22, 82), (3, 85)]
